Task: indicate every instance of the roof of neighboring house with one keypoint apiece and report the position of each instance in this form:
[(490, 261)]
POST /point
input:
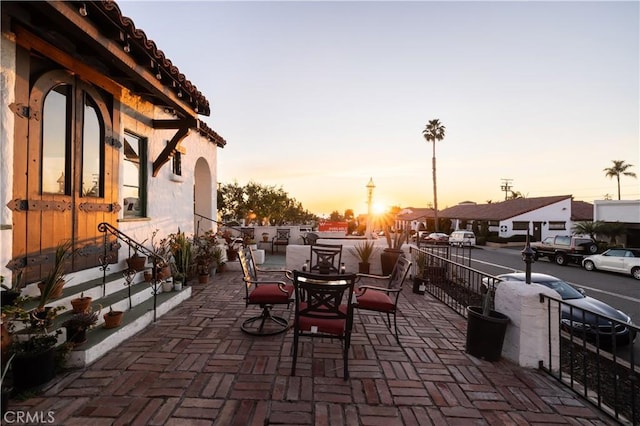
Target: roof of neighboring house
[(581, 211), (510, 208), (411, 214)]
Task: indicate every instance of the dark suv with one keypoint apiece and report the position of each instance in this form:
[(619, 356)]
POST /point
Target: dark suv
[(564, 248)]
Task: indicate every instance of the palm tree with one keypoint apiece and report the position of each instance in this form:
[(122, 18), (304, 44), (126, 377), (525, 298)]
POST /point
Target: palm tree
[(619, 168), (434, 131)]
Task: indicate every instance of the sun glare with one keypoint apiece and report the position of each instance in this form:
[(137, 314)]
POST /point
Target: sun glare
[(378, 209)]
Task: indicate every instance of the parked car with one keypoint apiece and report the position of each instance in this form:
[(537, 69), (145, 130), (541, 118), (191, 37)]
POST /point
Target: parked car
[(575, 312), (434, 238), (462, 238), (623, 260), (563, 249)]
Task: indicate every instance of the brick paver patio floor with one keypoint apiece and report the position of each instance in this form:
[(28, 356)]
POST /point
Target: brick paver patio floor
[(196, 367)]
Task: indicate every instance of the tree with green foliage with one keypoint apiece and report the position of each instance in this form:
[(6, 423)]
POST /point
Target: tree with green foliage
[(434, 131), (619, 168), (266, 205)]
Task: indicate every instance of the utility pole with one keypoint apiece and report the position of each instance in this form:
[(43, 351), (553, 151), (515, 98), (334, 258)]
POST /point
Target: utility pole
[(506, 187)]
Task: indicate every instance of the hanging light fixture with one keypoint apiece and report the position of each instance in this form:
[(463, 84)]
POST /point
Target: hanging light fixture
[(83, 9)]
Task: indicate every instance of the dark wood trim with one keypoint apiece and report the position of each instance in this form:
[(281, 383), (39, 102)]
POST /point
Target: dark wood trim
[(189, 123), (169, 150)]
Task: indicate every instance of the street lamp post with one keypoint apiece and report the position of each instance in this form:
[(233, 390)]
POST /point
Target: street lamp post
[(370, 187), (527, 257)]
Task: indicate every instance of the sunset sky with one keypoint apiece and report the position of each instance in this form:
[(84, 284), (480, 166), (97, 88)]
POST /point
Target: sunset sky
[(318, 97)]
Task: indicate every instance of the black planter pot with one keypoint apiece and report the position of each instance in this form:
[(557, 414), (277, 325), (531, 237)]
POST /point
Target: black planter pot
[(485, 334), (388, 259), (418, 285), (9, 297), (34, 369), (76, 335)]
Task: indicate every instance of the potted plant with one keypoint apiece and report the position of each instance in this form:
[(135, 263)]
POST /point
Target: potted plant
[(390, 255), (136, 262), (205, 245), (162, 255), (363, 251), (420, 259), (6, 391), (217, 263), (180, 246), (33, 347), (78, 324), (10, 294), (81, 304), (265, 237), (112, 319), (486, 328), (52, 284)]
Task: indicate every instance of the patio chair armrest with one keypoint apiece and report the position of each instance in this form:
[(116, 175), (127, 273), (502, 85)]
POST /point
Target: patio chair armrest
[(286, 272), (363, 288), (359, 276)]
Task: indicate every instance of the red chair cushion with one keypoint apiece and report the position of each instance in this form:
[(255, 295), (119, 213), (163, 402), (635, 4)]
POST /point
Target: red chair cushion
[(326, 326), (270, 294), (375, 300)]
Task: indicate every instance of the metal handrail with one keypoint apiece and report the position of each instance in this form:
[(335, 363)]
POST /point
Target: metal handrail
[(107, 229), (222, 224)]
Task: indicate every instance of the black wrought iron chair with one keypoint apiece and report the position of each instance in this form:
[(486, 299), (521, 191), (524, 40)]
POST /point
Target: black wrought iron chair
[(266, 293), (384, 299), (310, 238), (326, 258), (323, 308), (280, 239)]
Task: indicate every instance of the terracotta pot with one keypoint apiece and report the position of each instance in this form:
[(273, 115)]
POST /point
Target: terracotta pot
[(148, 276), (136, 262), (163, 273), (112, 319), (203, 278), (81, 304)]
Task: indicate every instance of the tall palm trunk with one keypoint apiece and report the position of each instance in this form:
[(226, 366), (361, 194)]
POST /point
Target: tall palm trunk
[(435, 186)]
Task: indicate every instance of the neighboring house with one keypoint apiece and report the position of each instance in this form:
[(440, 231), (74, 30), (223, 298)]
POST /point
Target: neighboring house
[(625, 212), (541, 216), (411, 218), (97, 126)]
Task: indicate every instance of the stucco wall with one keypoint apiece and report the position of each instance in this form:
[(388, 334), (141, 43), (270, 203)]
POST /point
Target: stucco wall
[(7, 97), (556, 212)]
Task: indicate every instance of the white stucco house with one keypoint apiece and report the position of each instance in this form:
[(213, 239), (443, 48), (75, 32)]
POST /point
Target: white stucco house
[(540, 216)]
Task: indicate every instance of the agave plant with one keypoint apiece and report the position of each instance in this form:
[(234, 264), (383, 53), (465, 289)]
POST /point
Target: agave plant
[(56, 274), (363, 251)]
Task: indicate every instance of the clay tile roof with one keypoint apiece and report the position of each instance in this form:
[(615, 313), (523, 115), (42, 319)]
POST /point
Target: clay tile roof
[(415, 214), (581, 211), (191, 93), (500, 211)]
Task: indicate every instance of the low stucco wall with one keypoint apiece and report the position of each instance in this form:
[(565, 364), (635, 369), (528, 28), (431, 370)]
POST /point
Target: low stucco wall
[(527, 339), (298, 254)]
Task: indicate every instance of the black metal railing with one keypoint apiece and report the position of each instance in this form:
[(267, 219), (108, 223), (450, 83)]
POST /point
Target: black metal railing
[(453, 283), (108, 229), (598, 362), (594, 355)]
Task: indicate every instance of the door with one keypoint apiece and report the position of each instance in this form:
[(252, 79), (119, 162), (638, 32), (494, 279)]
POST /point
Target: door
[(537, 231), (71, 174)]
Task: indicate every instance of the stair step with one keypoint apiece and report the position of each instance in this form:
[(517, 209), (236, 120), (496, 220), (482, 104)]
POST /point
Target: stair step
[(136, 300), (101, 340)]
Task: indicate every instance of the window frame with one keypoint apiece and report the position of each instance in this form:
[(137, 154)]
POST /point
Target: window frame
[(143, 145)]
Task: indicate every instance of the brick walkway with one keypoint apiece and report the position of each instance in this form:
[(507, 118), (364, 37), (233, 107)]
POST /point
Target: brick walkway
[(195, 367)]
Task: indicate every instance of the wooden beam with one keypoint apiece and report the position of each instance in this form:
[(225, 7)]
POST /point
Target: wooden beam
[(31, 42), (169, 150), (188, 122)]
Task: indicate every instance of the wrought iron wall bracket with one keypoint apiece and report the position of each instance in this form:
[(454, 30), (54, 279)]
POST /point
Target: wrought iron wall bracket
[(18, 205)]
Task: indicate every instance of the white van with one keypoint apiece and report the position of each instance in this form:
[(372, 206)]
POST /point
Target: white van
[(462, 238)]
